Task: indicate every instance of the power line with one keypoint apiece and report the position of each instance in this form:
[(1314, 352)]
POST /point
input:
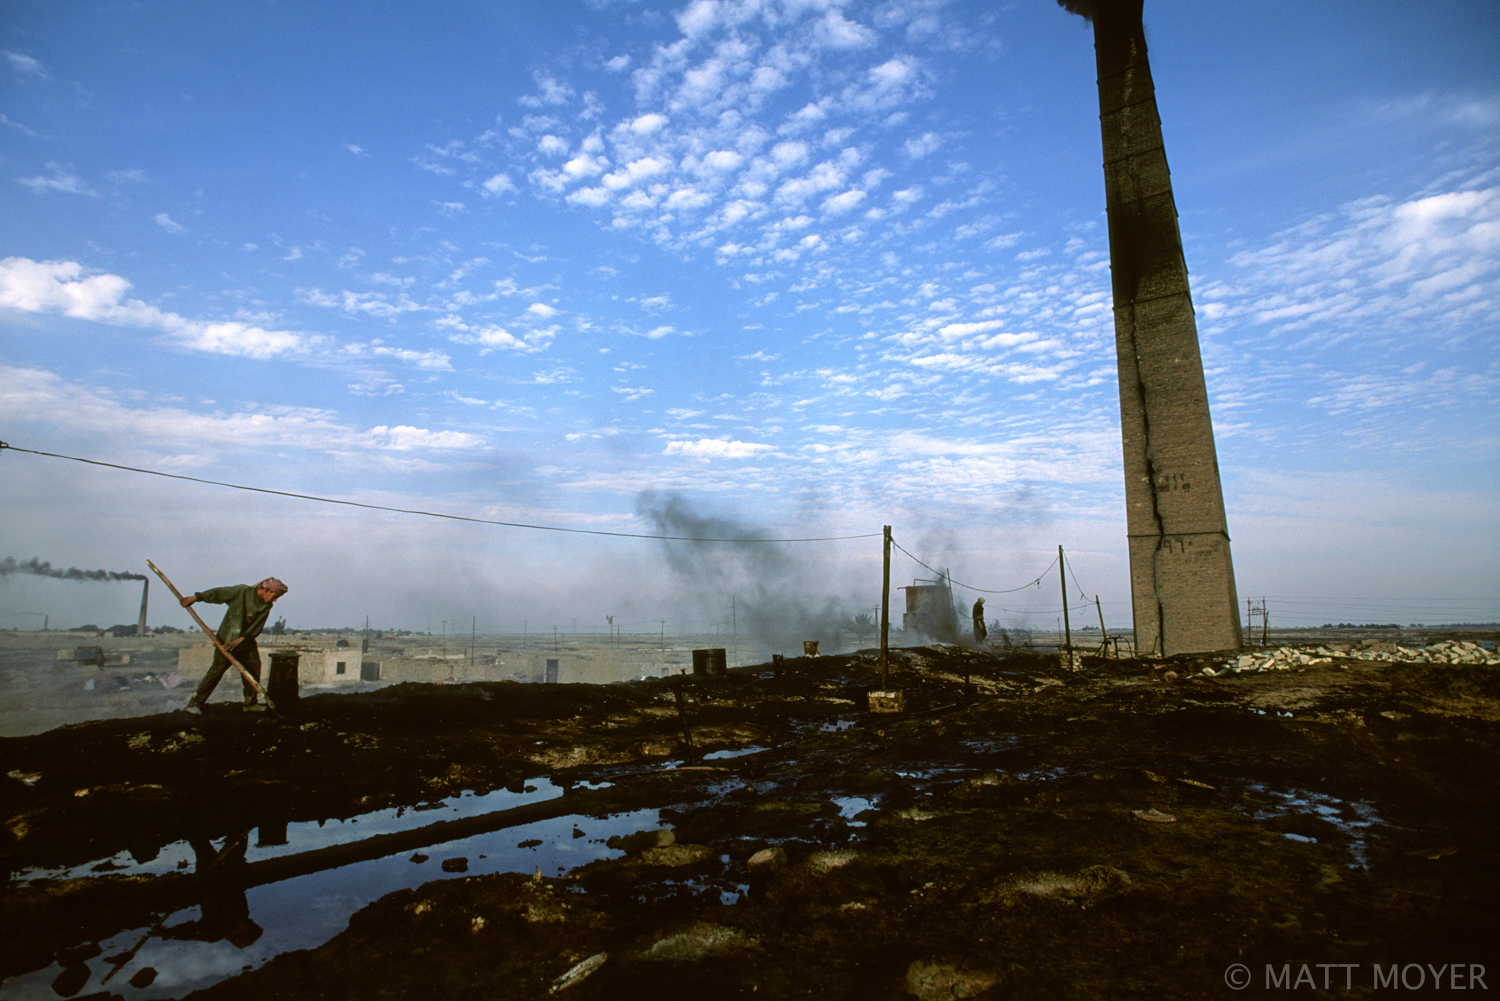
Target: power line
[(1034, 583), (425, 514), (1077, 583)]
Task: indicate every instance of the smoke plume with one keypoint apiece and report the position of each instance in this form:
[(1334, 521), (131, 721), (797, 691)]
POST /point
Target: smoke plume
[(40, 568), (767, 582), (1083, 8), (1092, 10)]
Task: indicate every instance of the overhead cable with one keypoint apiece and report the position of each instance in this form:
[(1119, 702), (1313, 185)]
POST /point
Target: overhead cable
[(982, 590), (425, 514)]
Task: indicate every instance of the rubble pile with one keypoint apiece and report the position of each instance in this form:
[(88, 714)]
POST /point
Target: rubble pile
[(1447, 652), (1286, 658)]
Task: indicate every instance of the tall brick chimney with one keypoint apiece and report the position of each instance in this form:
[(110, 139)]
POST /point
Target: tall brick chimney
[(1181, 575)]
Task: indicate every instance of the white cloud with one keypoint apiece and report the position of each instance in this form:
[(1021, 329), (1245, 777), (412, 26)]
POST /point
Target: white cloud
[(167, 223), (920, 146), (431, 359), (6, 120), (492, 337), (845, 202), (25, 65), (835, 31), (1427, 264), (404, 439), (716, 448), (62, 179), (550, 91), (76, 410), (376, 304), (62, 287), (499, 184)]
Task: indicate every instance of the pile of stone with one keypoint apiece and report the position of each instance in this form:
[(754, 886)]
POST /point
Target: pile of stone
[(1286, 658), (1446, 652), (1281, 659)]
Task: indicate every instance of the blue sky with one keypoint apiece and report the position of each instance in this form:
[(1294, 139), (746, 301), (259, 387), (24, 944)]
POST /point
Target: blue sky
[(805, 268)]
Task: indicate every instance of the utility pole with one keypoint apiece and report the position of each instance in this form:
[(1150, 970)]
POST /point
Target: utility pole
[(885, 613), (445, 639), (473, 628), (1102, 631), (1062, 578)]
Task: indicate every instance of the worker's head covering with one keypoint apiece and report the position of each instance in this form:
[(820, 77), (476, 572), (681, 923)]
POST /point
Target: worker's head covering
[(273, 585)]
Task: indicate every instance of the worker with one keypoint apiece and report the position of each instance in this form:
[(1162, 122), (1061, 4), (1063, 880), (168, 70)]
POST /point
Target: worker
[(249, 607), (979, 631)]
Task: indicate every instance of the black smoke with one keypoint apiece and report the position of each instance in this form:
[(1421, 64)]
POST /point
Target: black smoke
[(773, 585), (1093, 10), (40, 568)]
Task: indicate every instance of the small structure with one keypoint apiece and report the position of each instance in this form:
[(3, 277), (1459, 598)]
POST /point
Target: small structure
[(711, 661), (930, 611), (283, 687)]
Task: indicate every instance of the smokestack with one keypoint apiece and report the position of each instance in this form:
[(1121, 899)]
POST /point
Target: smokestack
[(1181, 575), (140, 627)]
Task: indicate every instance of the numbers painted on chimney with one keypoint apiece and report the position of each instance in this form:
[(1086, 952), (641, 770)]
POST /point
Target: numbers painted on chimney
[(1167, 482), (1176, 544)]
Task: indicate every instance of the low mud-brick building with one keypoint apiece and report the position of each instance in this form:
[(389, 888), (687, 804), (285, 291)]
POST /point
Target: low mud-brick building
[(1181, 575)]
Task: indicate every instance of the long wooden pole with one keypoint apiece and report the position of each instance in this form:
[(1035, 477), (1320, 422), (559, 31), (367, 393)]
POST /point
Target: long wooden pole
[(1102, 631), (885, 614), (249, 678), (1062, 577)]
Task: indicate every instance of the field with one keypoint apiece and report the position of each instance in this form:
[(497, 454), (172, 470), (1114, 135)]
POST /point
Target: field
[(1127, 829)]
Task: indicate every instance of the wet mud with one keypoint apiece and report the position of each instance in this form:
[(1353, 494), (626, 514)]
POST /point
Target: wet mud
[(1130, 829)]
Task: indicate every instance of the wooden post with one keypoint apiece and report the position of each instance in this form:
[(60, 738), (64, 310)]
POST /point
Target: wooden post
[(885, 613), (687, 731), (1062, 577), (1102, 631)]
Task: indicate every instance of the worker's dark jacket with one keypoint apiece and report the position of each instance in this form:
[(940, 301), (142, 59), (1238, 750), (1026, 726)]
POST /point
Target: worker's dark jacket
[(246, 615)]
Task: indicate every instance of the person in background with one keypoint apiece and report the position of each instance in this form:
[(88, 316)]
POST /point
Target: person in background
[(249, 607), (979, 630)]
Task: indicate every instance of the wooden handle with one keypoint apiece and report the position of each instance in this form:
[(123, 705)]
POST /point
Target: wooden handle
[(249, 678)]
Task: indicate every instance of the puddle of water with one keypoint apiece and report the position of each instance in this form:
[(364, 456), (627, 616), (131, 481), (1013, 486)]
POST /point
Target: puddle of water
[(306, 911), (1300, 837), (989, 745), (269, 842), (837, 726), (729, 894), (736, 752), (1353, 818), (851, 807)]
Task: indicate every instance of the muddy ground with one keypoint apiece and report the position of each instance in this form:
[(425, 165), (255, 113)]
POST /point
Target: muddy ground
[(1129, 830)]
